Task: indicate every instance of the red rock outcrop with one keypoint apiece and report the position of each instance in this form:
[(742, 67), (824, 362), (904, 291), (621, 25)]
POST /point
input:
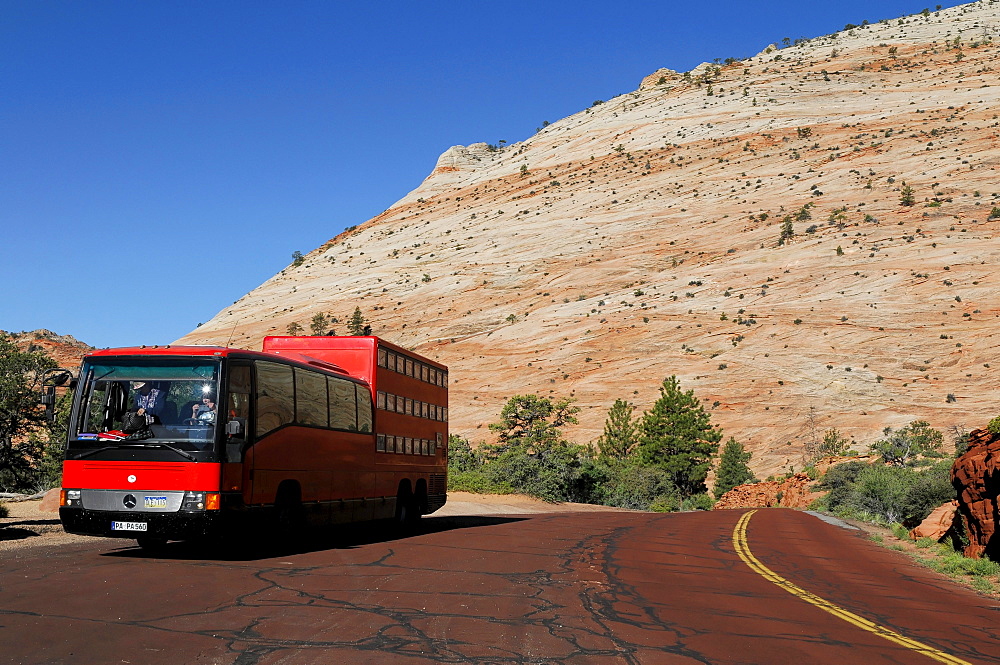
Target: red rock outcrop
[(66, 350), (793, 492), (976, 476), (937, 524)]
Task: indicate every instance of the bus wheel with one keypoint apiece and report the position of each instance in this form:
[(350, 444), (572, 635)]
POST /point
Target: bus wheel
[(290, 518), (407, 510), (151, 544)]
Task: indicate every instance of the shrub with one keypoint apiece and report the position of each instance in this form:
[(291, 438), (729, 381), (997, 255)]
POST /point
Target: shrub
[(698, 502), (461, 456), (928, 490), (4, 512), (636, 487), (669, 503), (472, 481), (887, 494), (838, 480)]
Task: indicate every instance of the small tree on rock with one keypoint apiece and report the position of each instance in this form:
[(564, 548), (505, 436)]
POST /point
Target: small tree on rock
[(319, 324), (907, 444), (834, 443), (356, 324)]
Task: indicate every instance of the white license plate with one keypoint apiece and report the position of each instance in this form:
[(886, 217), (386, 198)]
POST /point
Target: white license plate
[(154, 502), (128, 526)]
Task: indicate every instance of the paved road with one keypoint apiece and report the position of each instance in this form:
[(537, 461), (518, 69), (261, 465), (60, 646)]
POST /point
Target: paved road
[(576, 588)]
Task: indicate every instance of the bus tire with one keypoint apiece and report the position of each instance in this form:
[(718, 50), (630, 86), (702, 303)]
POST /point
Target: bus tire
[(289, 515), (151, 544), (407, 508)]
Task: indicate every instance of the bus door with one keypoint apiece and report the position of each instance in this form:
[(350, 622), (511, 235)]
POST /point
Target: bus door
[(238, 434)]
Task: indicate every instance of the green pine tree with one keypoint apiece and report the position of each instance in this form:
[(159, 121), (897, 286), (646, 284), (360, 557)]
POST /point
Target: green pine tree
[(621, 431), (319, 324), (787, 232), (356, 325), (733, 469), (677, 436)]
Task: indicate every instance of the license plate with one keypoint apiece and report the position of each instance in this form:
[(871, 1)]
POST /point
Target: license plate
[(128, 526), (154, 502)]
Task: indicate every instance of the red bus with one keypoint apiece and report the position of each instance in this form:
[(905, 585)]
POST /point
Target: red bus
[(180, 442)]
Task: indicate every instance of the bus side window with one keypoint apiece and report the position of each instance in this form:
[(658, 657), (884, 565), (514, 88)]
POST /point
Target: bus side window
[(364, 408), (275, 396), (311, 403), (343, 412)]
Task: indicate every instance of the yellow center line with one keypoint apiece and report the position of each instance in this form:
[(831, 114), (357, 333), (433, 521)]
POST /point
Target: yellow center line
[(743, 550)]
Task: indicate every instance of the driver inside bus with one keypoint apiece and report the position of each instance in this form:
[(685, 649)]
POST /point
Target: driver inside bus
[(204, 413), (149, 401)]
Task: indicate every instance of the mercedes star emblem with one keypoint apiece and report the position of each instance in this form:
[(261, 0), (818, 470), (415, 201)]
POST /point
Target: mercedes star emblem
[(129, 501)]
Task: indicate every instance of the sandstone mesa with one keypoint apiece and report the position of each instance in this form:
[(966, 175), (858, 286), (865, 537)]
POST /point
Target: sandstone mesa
[(638, 238)]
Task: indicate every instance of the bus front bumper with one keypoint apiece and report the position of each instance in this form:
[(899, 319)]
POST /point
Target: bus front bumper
[(124, 524)]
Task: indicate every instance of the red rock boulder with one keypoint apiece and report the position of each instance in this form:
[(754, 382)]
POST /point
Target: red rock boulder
[(793, 492), (976, 477), (936, 525)]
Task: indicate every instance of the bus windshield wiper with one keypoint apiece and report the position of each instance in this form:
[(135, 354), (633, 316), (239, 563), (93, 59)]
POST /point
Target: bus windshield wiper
[(180, 452), (119, 446)]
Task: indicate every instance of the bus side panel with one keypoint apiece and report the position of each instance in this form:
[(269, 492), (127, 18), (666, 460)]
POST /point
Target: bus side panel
[(327, 465), (160, 476)]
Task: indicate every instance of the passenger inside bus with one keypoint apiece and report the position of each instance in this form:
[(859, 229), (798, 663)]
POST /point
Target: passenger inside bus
[(149, 401)]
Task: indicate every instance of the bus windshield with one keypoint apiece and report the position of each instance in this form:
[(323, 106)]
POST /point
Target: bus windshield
[(163, 403)]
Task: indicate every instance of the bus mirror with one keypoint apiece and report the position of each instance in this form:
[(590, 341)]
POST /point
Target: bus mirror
[(50, 379), (233, 428)]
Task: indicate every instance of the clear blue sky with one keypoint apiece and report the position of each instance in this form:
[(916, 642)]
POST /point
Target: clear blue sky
[(158, 160)]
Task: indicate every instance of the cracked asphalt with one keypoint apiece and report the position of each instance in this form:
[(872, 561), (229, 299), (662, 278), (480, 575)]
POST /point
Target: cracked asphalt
[(575, 588)]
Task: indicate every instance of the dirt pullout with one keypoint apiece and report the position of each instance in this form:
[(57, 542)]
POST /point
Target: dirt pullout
[(30, 524)]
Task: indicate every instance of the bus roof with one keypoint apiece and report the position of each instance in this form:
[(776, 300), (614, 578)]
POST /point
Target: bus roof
[(169, 350)]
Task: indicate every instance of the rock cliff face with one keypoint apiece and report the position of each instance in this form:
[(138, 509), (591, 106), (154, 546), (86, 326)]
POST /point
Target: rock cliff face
[(976, 477), (642, 237)]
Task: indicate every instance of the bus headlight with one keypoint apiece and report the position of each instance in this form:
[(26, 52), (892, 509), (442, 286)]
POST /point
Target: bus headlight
[(69, 498), (200, 501)]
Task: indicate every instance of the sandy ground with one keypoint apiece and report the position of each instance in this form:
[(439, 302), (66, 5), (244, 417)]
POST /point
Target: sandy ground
[(29, 524)]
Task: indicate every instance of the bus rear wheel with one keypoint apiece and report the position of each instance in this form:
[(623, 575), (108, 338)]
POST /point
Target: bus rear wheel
[(407, 510)]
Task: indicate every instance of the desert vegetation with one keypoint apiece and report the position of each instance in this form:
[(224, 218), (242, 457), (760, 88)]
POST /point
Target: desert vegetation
[(657, 461), (30, 446)]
